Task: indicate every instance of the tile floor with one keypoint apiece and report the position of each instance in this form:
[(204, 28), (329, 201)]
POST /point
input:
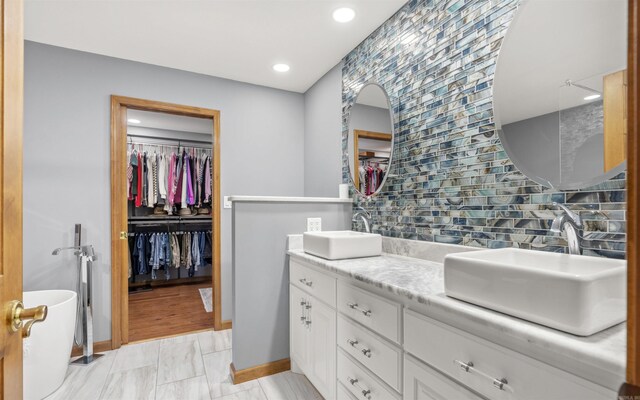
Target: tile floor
[(188, 367)]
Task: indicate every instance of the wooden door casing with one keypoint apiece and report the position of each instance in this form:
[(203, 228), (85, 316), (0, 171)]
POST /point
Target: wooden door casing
[(11, 101), (633, 197), (119, 251)]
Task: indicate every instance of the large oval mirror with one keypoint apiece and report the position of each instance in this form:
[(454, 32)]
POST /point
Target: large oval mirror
[(560, 91), (370, 139)]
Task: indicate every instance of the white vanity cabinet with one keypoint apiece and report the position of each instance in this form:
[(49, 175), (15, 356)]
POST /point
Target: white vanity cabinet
[(355, 343), (313, 327)]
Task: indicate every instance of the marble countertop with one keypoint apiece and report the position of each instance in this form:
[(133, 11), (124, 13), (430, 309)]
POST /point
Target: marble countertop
[(600, 358)]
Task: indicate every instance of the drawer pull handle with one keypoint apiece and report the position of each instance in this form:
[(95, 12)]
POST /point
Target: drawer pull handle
[(465, 366), (306, 282), (365, 392), (499, 383), (305, 318), (354, 306), (364, 350)]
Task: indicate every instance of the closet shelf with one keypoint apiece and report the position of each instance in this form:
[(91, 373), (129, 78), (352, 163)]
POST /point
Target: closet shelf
[(372, 157)]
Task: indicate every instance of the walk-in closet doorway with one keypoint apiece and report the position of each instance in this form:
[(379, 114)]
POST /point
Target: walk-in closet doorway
[(165, 220)]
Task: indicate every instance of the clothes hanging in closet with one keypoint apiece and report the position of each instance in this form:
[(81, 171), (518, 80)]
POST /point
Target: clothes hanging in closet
[(169, 178), (151, 252), (370, 178)]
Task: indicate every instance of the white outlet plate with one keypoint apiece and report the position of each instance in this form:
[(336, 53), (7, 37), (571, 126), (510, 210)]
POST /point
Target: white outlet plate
[(227, 202), (314, 224)]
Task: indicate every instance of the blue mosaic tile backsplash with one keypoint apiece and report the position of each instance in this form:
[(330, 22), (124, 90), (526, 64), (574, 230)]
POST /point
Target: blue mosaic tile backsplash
[(450, 180)]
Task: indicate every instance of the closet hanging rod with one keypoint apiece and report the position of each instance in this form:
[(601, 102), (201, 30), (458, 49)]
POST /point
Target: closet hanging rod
[(166, 139), (171, 218), (164, 223), (176, 232), (181, 145)]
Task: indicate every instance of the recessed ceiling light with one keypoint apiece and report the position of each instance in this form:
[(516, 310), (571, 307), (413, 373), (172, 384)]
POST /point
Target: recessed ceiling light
[(281, 67), (344, 14), (133, 121), (592, 97)]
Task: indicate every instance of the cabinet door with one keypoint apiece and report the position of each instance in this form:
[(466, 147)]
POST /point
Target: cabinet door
[(423, 383), (322, 348), (299, 328)]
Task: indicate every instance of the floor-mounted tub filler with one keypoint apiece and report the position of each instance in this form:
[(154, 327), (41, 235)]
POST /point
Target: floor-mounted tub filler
[(84, 325)]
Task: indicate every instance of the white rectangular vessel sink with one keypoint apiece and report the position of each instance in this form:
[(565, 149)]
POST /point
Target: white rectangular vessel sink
[(338, 245), (577, 294)]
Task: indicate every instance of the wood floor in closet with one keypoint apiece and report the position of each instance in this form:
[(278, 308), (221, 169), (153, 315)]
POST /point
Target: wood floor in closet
[(166, 311)]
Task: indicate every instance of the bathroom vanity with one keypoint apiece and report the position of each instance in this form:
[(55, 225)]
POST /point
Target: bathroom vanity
[(382, 328)]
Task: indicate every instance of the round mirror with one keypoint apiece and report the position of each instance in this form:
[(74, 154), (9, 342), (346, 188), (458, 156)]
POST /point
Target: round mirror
[(370, 139), (560, 91)]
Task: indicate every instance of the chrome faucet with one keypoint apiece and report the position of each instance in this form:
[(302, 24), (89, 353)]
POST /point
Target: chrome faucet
[(82, 251), (571, 223), (365, 216)]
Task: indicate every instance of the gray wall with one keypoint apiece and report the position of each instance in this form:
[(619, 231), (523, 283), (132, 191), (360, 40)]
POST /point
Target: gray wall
[(66, 154), (261, 273), (369, 118), (534, 145), (323, 135)]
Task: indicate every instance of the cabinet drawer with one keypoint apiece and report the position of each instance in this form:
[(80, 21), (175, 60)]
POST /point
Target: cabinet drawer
[(375, 312), (424, 383), (481, 365), (314, 282), (363, 385), (344, 394), (381, 357)]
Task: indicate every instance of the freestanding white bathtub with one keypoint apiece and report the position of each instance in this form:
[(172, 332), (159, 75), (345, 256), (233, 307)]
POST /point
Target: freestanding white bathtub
[(47, 350)]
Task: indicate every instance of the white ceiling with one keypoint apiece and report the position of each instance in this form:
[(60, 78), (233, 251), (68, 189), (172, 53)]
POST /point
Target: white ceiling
[(551, 41), (239, 39), (170, 122)]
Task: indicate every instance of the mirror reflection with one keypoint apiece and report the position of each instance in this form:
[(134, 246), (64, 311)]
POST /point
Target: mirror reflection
[(370, 139), (560, 92)]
